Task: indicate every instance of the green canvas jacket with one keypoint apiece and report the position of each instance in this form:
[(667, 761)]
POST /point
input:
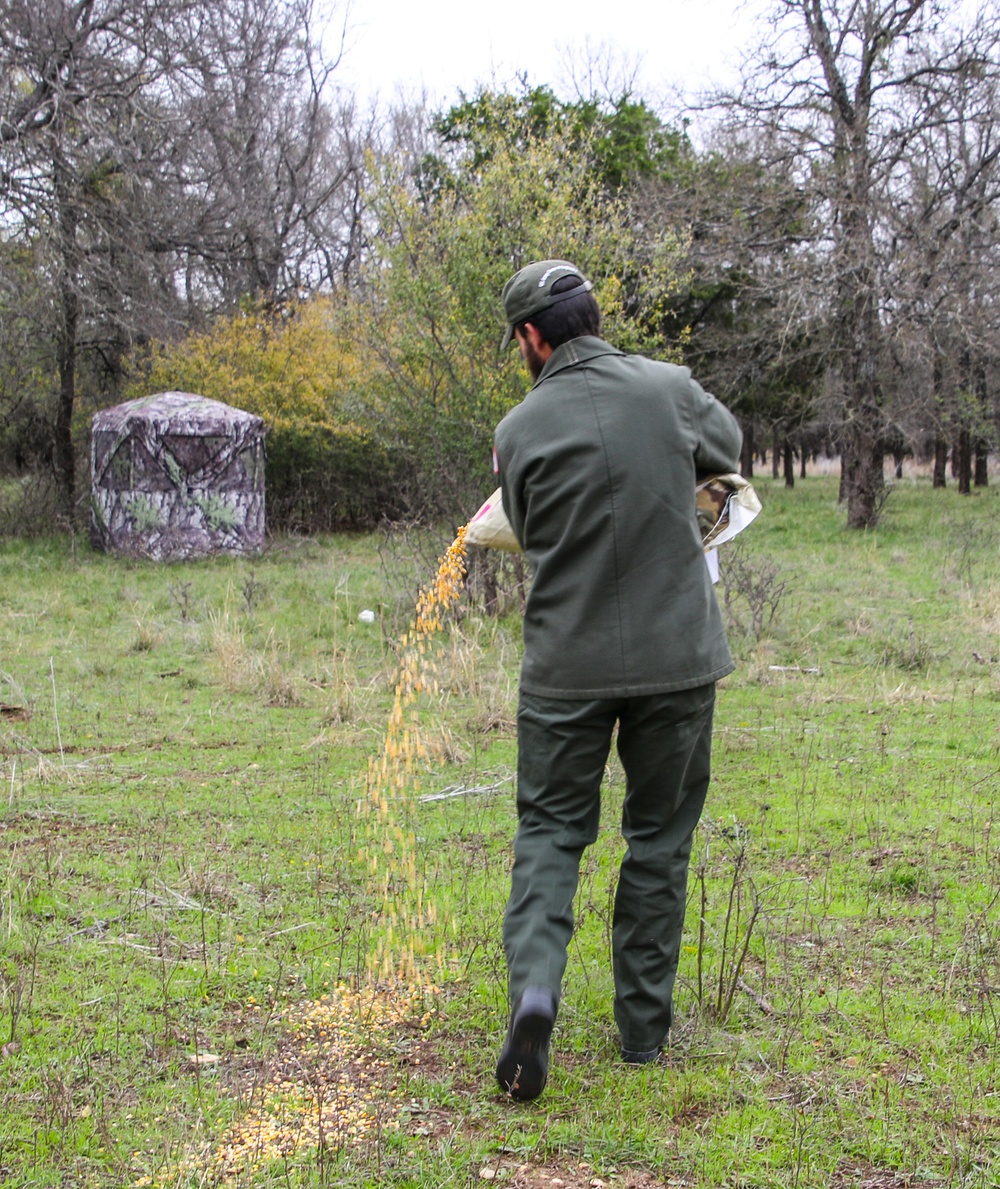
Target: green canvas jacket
[(598, 467)]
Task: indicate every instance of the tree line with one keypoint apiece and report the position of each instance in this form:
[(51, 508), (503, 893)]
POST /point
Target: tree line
[(191, 202)]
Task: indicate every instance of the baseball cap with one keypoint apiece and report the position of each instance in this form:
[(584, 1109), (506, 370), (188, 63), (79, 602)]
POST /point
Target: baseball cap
[(530, 291)]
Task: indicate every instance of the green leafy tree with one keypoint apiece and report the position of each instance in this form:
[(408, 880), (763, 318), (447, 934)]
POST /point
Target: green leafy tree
[(510, 190), (624, 139)]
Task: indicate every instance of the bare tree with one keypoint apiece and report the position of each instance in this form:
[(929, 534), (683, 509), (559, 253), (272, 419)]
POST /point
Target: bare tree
[(753, 315), (841, 88), (71, 77), (160, 157), (945, 268), (267, 159)]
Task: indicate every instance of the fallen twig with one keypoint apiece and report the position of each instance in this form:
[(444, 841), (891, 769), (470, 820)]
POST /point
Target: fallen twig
[(759, 1000), (463, 790)]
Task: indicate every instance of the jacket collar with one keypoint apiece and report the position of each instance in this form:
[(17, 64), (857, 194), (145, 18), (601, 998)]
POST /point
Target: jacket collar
[(578, 350)]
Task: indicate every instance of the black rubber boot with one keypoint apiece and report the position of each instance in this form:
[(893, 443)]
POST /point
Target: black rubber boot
[(523, 1067)]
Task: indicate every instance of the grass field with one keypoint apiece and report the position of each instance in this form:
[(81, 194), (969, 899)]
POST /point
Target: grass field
[(200, 909)]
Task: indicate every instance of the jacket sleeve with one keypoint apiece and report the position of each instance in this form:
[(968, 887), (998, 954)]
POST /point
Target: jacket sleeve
[(512, 507), (718, 434)]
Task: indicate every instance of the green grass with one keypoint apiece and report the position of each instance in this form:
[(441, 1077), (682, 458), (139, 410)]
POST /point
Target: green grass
[(185, 860)]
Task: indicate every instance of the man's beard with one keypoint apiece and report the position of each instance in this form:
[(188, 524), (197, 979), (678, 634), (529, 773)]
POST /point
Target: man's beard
[(534, 361)]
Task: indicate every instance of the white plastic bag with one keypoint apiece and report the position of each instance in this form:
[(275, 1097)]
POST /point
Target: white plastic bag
[(490, 527), (726, 505)]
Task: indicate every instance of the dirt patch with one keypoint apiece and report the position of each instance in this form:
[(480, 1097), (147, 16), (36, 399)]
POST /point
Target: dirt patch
[(571, 1176), (339, 1074), (850, 1175), (331, 1083)]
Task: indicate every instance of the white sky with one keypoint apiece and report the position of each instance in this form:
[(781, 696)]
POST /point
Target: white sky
[(405, 47)]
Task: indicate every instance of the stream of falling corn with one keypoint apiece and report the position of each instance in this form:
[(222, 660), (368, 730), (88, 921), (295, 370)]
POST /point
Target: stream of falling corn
[(408, 913), (331, 1084)]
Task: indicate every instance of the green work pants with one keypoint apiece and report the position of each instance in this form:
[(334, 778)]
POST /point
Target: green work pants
[(665, 743)]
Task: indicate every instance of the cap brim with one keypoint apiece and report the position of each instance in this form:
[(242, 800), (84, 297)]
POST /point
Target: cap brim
[(508, 336)]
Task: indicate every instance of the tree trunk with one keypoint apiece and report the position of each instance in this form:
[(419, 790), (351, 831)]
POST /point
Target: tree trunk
[(963, 452), (940, 462), (802, 467), (63, 445), (863, 478), (491, 593), (776, 456), (857, 329), (980, 448), (66, 348), (789, 461), (866, 480), (981, 476), (746, 453)]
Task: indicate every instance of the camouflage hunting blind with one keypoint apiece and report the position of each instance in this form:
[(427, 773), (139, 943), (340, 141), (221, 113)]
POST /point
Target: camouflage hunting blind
[(176, 476)]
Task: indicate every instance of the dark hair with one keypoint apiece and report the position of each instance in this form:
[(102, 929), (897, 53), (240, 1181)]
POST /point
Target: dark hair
[(570, 318)]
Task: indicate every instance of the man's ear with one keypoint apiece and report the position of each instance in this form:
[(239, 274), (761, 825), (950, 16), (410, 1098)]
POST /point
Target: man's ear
[(534, 337)]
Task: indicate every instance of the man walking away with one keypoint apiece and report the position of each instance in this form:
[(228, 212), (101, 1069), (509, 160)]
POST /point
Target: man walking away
[(598, 466)]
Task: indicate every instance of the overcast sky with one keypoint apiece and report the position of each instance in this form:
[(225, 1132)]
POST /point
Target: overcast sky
[(441, 46)]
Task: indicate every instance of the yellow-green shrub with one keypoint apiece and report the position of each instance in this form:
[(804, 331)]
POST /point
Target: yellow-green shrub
[(300, 371)]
